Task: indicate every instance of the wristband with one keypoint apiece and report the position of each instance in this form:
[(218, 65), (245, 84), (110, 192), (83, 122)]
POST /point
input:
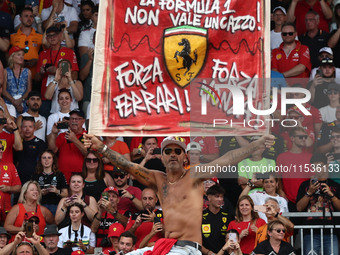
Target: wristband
[(15, 129), (332, 196), (85, 205), (65, 32), (72, 82), (308, 195), (63, 210), (132, 198), (104, 149), (55, 82)]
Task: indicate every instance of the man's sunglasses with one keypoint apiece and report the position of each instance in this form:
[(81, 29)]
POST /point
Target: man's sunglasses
[(118, 176), (330, 92), (178, 151), (89, 160), (287, 33)]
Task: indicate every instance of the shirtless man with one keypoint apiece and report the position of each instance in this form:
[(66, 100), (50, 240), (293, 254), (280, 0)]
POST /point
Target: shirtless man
[(179, 194)]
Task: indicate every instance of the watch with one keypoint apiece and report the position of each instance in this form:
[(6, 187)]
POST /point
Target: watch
[(139, 150), (132, 198)]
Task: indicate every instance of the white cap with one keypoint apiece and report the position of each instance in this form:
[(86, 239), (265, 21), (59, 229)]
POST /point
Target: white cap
[(326, 49), (173, 140), (281, 9), (194, 146)]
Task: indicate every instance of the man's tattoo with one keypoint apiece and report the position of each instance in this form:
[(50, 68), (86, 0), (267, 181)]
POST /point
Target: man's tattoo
[(241, 154), (117, 159), (165, 189)]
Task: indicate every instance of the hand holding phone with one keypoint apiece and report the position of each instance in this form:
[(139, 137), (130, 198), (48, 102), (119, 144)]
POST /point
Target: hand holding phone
[(29, 229)]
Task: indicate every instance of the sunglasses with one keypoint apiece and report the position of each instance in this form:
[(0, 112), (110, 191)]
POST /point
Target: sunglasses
[(34, 221), (51, 36), (89, 160), (119, 176), (278, 230), (301, 136), (178, 151), (288, 33), (330, 92), (335, 136)]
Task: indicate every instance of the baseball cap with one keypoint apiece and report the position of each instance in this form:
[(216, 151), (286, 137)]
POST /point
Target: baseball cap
[(51, 230), (115, 230), (194, 146), (173, 140), (79, 112), (34, 93), (215, 179), (281, 9), (3, 231), (117, 170), (29, 215), (294, 109), (53, 29), (78, 252), (111, 188), (15, 49), (327, 61), (334, 86), (327, 50)]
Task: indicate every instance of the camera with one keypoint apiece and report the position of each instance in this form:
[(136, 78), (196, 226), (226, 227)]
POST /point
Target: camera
[(105, 242)]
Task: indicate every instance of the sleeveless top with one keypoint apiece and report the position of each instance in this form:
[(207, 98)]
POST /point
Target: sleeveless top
[(94, 188), (17, 86), (56, 107), (20, 219)]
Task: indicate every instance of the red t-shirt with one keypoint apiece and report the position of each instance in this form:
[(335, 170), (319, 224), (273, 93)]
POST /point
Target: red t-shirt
[(289, 143), (127, 204), (8, 177), (7, 141), (247, 243), (299, 55), (208, 144), (293, 161), (53, 57), (70, 158), (300, 13), (144, 229)]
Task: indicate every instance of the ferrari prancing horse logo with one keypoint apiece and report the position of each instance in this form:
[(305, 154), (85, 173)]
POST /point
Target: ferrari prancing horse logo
[(184, 51)]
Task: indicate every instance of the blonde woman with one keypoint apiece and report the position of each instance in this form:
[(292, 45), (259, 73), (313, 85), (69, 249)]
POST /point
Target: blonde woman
[(29, 201)]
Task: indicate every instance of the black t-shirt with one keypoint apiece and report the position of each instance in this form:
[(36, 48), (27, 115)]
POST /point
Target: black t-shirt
[(266, 249), (58, 180), (4, 34), (62, 251), (321, 99), (27, 158), (278, 148), (317, 202), (214, 228)]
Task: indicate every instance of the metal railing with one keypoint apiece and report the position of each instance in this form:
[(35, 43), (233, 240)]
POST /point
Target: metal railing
[(312, 227)]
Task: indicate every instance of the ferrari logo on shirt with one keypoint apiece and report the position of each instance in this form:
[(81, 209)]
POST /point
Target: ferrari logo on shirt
[(44, 61), (206, 228), (159, 215), (5, 167), (224, 219), (278, 56), (62, 54)]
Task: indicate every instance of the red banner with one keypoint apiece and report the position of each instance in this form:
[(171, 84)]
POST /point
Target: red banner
[(149, 53)]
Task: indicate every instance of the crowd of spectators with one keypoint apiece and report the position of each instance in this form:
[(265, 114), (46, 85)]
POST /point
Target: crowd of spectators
[(77, 200)]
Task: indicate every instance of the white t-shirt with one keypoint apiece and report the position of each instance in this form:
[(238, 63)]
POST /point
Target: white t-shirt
[(56, 107), (328, 114), (12, 111), (69, 13), (40, 133), (88, 238), (86, 38), (337, 74), (54, 118), (259, 198)]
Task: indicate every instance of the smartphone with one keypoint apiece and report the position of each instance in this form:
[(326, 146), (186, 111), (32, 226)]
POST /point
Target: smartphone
[(62, 125), (60, 19), (68, 243), (46, 186), (64, 68), (156, 151), (233, 237), (29, 229), (3, 121), (314, 180), (71, 198), (262, 175), (143, 212), (336, 156), (318, 72), (47, 66), (260, 208), (120, 193), (156, 219), (105, 195)]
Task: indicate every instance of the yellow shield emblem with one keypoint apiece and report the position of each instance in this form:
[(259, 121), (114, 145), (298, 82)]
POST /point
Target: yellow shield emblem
[(184, 52), (224, 219), (4, 143)]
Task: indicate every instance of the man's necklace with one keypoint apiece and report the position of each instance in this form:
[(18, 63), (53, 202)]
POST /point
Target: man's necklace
[(172, 183)]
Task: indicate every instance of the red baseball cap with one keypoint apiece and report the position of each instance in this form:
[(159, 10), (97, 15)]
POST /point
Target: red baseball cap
[(215, 179), (29, 215), (294, 109), (78, 252), (115, 230), (15, 49), (112, 189)]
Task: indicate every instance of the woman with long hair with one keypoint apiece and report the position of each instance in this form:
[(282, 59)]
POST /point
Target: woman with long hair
[(29, 201), (96, 179), (17, 80), (76, 195), (270, 189), (51, 181), (76, 235), (275, 244), (246, 222)]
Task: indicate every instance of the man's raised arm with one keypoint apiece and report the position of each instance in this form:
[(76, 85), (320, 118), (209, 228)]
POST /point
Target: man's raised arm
[(143, 175), (232, 157)]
